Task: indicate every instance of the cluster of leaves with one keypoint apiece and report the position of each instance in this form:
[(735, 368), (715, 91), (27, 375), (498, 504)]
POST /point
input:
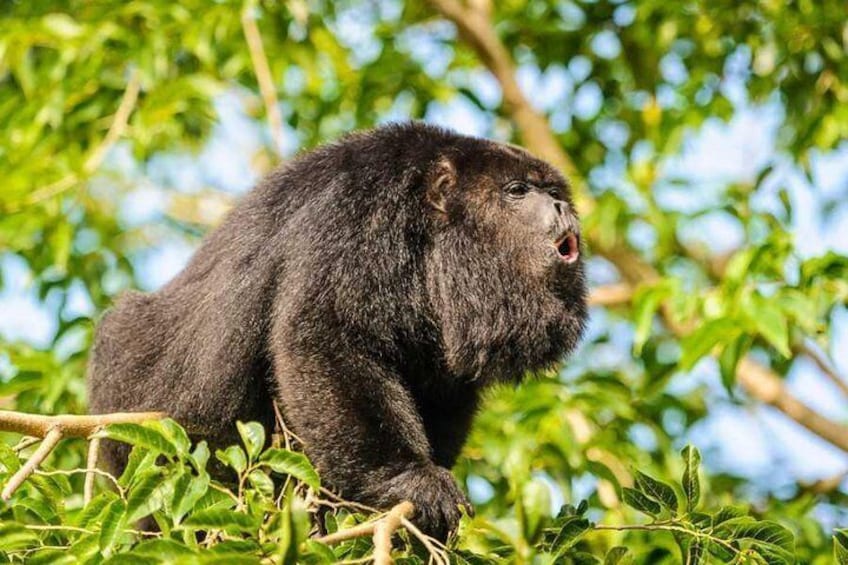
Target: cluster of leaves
[(166, 508)]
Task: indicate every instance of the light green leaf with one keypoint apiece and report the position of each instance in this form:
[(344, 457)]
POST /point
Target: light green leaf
[(291, 463), (234, 457), (261, 482), (221, 519), (110, 528), (702, 341), (768, 320), (253, 436), (691, 482), (139, 436)]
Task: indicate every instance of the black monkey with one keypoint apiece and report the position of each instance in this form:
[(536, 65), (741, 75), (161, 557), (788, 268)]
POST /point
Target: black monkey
[(372, 287)]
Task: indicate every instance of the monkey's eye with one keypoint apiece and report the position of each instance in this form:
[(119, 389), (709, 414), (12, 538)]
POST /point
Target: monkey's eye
[(517, 188)]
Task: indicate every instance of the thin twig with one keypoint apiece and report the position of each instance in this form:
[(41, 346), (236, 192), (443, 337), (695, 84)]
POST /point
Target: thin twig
[(50, 440), (91, 469), (100, 472), (263, 75), (119, 124), (437, 549), (825, 365), (24, 443)]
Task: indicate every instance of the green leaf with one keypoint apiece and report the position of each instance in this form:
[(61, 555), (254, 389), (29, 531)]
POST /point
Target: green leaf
[(165, 550), (729, 360), (110, 528), (261, 482), (253, 436), (691, 482), (726, 513), (222, 519), (702, 341), (657, 490), (618, 556), (145, 496), (640, 502), (139, 436), (174, 433), (188, 489), (15, 536), (291, 463), (646, 302), (536, 500), (233, 457), (771, 540), (571, 529), (840, 547), (769, 321)]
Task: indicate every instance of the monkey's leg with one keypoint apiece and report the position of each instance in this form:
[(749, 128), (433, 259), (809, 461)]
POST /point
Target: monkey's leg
[(363, 430)]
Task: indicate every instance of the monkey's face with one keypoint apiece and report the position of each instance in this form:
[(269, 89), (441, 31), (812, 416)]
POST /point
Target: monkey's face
[(510, 257), (517, 206)]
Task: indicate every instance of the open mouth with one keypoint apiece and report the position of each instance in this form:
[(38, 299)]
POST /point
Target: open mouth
[(568, 247)]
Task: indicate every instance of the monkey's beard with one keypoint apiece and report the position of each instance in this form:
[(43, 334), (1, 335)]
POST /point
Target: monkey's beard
[(504, 310)]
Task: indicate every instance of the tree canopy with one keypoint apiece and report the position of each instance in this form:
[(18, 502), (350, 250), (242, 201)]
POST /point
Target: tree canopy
[(719, 275)]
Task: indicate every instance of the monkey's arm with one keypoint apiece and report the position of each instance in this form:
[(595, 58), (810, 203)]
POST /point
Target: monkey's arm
[(363, 430)]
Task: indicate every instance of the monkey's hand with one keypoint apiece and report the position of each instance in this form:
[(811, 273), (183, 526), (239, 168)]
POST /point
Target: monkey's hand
[(434, 493)]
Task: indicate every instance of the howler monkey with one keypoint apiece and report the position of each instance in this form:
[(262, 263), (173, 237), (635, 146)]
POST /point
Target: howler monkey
[(372, 287)]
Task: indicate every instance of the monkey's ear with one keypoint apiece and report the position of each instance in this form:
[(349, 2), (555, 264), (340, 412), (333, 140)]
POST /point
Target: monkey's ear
[(440, 183)]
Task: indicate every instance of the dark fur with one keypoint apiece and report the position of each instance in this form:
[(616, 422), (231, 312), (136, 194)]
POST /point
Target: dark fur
[(339, 288)]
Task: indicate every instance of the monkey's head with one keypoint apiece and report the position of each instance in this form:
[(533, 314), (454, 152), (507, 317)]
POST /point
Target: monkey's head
[(505, 274)]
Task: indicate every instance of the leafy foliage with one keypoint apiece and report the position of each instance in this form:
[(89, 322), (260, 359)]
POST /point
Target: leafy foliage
[(253, 518)]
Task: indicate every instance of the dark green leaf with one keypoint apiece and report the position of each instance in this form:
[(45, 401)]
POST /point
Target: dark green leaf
[(657, 490), (640, 502)]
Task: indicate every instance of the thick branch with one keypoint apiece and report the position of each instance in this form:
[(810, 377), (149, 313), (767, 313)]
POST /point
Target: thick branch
[(381, 531), (758, 381), (55, 428), (475, 28), (764, 385), (71, 426), (611, 295), (385, 528)]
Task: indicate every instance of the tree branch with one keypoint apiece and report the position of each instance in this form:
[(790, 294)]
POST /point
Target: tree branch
[(263, 75), (71, 426), (381, 531), (477, 31), (611, 295), (825, 366), (54, 428)]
